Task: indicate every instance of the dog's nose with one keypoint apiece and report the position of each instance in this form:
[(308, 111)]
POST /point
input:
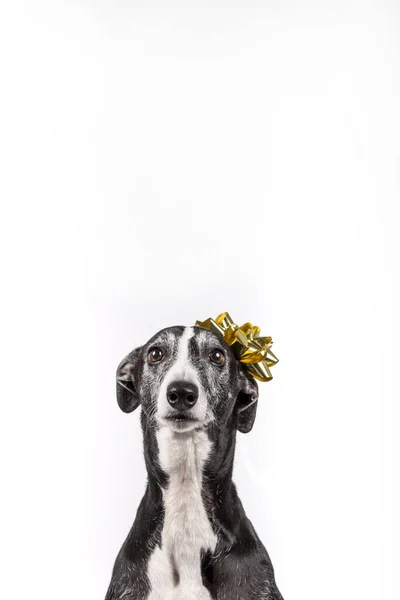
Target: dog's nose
[(182, 395)]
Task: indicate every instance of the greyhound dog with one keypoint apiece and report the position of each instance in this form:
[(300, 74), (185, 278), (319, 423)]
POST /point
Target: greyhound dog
[(191, 539)]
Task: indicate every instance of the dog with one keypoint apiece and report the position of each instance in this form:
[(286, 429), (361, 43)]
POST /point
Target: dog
[(191, 539)]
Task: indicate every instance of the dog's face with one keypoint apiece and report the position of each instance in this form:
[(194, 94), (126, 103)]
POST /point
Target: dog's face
[(187, 378)]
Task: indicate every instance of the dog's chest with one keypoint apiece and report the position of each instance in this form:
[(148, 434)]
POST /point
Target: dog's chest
[(186, 530)]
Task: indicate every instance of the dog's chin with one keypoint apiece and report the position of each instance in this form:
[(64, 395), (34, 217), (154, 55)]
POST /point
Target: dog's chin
[(180, 422)]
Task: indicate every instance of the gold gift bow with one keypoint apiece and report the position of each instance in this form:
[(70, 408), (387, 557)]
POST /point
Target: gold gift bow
[(247, 344)]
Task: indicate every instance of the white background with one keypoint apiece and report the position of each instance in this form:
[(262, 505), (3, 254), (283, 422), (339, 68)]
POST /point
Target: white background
[(163, 162)]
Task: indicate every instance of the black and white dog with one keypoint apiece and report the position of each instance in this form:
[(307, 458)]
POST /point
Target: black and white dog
[(191, 539)]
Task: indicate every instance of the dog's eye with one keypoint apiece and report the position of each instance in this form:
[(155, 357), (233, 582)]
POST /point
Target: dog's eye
[(155, 355), (217, 357)]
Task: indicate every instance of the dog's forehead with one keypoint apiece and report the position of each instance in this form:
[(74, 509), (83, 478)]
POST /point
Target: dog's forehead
[(200, 335), (168, 336)]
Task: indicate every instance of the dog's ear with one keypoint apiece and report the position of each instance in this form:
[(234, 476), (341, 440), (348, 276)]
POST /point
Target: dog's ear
[(127, 396), (246, 401)]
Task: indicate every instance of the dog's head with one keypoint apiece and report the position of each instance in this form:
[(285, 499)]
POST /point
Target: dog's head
[(187, 378)]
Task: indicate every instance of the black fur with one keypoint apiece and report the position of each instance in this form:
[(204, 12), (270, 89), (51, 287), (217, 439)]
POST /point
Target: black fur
[(240, 568)]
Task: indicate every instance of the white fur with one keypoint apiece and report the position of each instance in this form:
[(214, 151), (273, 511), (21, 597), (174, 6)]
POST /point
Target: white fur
[(186, 529)]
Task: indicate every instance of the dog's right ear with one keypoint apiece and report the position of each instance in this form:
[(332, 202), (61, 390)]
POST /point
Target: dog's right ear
[(247, 401), (127, 396)]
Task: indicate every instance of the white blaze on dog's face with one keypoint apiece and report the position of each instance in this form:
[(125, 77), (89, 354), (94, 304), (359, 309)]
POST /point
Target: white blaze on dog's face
[(186, 378), (181, 400)]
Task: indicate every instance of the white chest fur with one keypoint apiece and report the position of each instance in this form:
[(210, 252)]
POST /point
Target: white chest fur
[(174, 569)]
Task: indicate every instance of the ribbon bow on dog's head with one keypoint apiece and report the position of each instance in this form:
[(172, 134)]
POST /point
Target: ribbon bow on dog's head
[(247, 344)]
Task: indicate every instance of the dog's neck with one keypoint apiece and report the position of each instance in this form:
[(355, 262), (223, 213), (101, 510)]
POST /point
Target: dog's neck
[(190, 486), (212, 449)]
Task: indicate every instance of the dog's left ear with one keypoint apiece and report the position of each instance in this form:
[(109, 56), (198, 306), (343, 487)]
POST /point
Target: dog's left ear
[(127, 396), (246, 401)]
